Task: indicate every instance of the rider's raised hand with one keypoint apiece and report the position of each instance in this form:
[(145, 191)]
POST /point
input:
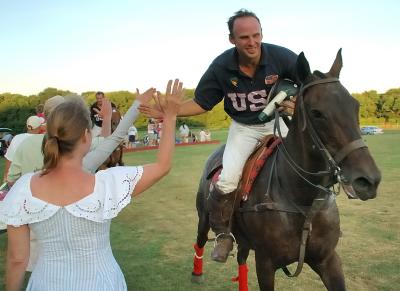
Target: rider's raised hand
[(172, 100), (151, 111)]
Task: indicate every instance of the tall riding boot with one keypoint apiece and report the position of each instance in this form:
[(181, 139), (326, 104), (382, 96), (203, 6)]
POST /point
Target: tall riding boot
[(221, 206)]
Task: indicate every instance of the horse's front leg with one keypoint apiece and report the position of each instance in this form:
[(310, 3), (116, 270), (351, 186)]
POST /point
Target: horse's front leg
[(331, 272), (265, 271), (202, 235), (242, 279)]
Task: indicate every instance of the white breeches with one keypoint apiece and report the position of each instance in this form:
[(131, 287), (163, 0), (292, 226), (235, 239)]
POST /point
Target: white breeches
[(242, 140)]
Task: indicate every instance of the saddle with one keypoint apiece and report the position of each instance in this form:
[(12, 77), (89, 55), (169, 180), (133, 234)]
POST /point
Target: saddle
[(253, 165)]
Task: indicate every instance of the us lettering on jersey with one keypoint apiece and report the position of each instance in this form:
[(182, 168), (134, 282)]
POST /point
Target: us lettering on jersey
[(253, 101)]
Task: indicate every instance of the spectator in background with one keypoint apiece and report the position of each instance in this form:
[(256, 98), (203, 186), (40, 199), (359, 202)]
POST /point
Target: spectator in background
[(192, 137), (132, 133), (202, 135), (95, 114), (159, 130), (151, 132), (39, 110), (34, 125), (184, 132), (207, 134), (7, 139)]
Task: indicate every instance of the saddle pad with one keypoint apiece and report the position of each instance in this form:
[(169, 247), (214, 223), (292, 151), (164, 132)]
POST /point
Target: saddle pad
[(255, 163)]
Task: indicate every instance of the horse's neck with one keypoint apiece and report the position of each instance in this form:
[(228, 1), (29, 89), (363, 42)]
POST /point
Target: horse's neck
[(301, 151)]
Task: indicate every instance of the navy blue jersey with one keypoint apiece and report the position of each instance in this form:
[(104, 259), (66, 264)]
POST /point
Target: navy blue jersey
[(244, 96)]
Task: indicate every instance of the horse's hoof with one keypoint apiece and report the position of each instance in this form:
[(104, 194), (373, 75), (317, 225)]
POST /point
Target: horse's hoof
[(197, 279)]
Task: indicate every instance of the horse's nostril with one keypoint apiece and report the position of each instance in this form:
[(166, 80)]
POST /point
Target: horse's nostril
[(364, 188)]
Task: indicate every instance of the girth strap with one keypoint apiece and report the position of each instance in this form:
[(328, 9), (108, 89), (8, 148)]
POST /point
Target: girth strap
[(271, 205), (356, 144), (318, 204)]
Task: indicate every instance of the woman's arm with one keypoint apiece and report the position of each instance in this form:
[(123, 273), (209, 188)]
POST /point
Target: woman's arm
[(17, 256), (106, 114), (6, 168), (95, 158), (170, 104)]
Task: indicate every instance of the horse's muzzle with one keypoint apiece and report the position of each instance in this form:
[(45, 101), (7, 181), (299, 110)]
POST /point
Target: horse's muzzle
[(362, 187)]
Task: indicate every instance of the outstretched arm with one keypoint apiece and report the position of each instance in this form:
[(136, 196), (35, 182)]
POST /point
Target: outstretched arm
[(95, 158), (188, 108), (169, 104)]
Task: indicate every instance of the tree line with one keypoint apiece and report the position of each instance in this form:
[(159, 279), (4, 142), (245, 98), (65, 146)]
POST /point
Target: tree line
[(375, 108)]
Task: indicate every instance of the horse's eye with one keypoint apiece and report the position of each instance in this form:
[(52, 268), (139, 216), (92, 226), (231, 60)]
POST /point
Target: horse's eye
[(317, 114)]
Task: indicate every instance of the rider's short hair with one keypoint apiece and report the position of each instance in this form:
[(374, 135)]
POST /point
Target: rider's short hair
[(239, 14)]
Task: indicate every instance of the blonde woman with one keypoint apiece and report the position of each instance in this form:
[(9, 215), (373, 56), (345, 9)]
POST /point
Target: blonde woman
[(70, 210)]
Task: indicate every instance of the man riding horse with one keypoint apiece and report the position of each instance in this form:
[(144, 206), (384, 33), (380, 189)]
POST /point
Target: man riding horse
[(243, 76)]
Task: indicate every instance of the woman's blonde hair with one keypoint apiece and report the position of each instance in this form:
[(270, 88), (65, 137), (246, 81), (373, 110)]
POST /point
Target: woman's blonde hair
[(66, 124)]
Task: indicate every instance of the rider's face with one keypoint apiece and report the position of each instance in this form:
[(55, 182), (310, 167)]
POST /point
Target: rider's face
[(247, 37)]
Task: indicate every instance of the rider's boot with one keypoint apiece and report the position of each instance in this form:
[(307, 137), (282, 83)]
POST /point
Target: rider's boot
[(221, 206)]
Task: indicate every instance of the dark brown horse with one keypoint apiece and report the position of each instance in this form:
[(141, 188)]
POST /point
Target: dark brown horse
[(115, 159), (291, 213)]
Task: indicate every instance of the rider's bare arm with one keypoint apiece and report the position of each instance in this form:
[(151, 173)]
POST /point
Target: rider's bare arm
[(190, 108)]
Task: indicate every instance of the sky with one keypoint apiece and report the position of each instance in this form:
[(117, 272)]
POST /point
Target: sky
[(98, 45)]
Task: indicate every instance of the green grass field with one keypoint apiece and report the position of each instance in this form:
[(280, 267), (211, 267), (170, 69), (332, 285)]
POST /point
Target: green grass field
[(152, 238)]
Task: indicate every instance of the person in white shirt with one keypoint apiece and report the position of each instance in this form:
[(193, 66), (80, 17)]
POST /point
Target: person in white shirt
[(184, 132), (34, 125), (132, 133)]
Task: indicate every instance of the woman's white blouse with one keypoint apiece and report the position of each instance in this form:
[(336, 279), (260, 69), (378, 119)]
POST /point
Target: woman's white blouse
[(112, 192)]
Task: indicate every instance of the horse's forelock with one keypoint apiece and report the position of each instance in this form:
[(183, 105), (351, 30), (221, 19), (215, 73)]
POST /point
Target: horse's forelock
[(319, 74)]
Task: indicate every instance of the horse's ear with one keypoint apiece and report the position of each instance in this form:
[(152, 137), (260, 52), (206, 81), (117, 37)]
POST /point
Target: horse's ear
[(337, 65), (302, 68)]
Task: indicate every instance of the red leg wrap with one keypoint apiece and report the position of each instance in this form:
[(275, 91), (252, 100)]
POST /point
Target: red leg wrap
[(242, 278), (198, 260)]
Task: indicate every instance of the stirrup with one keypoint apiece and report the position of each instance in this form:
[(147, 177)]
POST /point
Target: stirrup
[(230, 234), (227, 234), (232, 252)]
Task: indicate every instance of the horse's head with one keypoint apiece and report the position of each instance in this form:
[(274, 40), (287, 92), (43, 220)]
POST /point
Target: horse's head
[(327, 110), (115, 119)]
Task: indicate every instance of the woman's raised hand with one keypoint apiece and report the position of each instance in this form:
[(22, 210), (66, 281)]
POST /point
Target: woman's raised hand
[(172, 100), (145, 97)]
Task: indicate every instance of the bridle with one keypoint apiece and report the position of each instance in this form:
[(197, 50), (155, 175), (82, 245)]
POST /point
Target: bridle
[(332, 170)]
